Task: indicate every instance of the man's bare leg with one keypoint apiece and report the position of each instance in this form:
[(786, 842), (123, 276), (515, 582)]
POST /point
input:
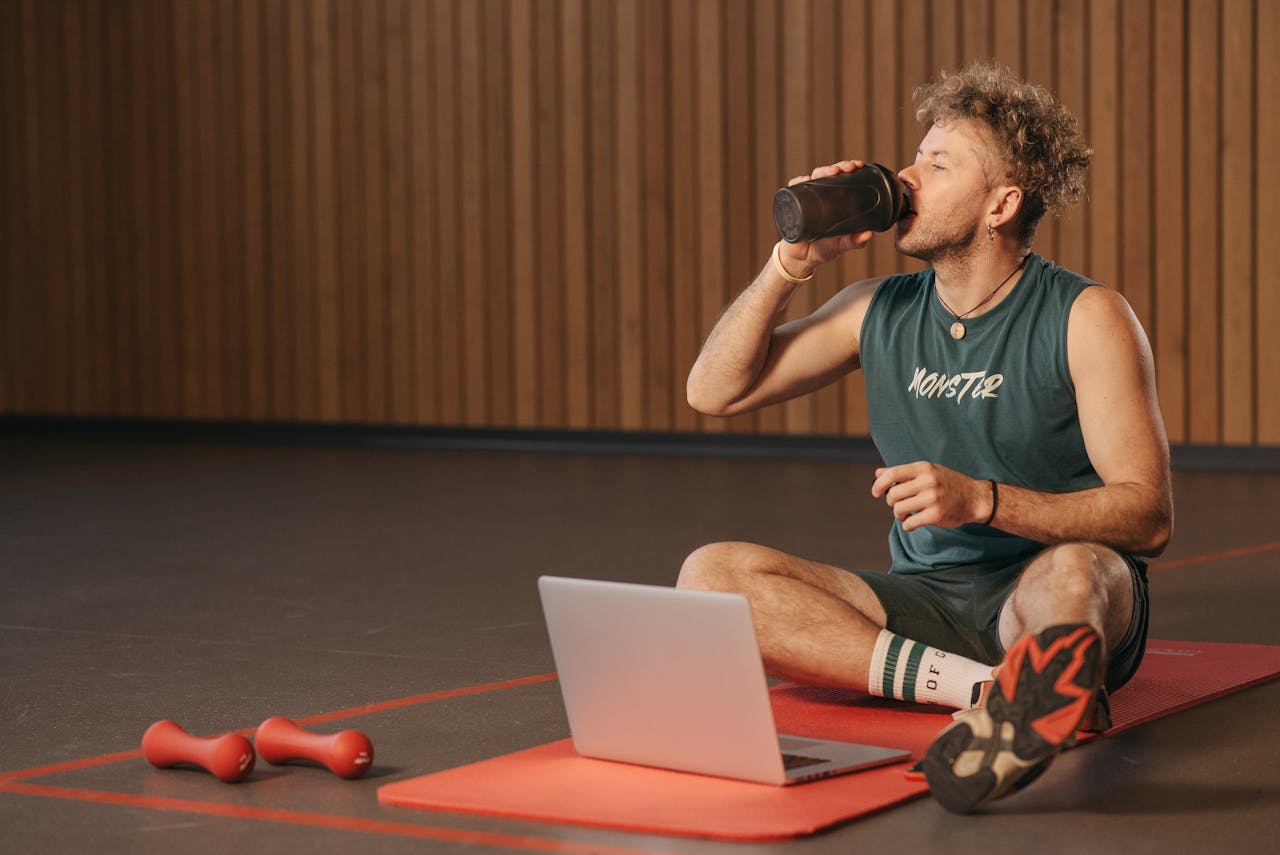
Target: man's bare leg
[(824, 626), (816, 624)]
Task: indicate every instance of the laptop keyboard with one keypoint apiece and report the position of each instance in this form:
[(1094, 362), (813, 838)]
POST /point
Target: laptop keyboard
[(799, 761)]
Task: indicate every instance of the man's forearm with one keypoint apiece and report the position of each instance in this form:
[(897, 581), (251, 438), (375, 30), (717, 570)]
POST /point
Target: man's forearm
[(1132, 518)]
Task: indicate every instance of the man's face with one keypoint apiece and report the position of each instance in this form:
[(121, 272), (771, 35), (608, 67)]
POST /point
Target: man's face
[(949, 190)]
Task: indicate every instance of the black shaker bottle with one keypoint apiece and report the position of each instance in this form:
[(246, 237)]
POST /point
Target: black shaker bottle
[(870, 198)]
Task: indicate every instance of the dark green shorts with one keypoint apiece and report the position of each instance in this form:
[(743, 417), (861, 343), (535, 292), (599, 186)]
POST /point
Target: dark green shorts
[(958, 610)]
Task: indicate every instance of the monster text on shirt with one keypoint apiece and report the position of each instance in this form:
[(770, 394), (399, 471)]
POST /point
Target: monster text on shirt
[(970, 385)]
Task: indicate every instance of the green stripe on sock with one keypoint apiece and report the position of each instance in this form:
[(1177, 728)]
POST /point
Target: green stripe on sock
[(913, 668), (891, 664)]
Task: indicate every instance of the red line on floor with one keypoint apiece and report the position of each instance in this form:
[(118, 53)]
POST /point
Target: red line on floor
[(399, 703), (1215, 556), (319, 820), (69, 766)]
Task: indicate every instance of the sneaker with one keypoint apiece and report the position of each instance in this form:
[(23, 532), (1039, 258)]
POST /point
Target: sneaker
[(1048, 686)]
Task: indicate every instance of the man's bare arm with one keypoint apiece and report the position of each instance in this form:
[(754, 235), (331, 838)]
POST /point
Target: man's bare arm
[(748, 363)]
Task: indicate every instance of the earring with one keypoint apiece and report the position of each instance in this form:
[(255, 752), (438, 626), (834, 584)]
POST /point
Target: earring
[(991, 233)]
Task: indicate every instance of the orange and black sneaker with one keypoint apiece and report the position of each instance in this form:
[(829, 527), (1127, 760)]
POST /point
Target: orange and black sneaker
[(1049, 686)]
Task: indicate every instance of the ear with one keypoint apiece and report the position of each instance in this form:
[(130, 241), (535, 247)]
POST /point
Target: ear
[(1006, 203)]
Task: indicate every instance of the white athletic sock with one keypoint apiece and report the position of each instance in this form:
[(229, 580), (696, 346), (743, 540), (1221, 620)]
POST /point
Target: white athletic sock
[(911, 671)]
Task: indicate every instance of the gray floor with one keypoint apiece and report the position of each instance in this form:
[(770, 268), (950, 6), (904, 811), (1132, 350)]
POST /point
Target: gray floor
[(217, 584)]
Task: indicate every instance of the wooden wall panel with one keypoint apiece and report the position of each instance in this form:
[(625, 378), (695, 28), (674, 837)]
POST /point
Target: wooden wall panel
[(527, 213)]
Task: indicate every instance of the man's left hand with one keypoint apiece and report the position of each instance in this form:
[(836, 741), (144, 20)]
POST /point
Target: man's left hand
[(928, 494)]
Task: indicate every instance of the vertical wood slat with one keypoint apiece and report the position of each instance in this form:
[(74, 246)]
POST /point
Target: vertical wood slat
[(1070, 84), (320, 58), (770, 168), (1106, 205), (1038, 42), (883, 116), (550, 272), (1266, 221), (454, 248), (744, 202), (302, 207), (685, 200), (855, 134), (261, 390), (1136, 185), (523, 215), (207, 248), (398, 326), (574, 170), (495, 294), (10, 36), (56, 191), (188, 229), (1203, 178), (826, 148), (242, 375), (1237, 207), (1169, 230), (708, 156), (629, 329), (495, 213), (659, 381), (69, 362), (422, 220), (98, 326), (372, 229), (163, 172), (798, 104), (601, 341)]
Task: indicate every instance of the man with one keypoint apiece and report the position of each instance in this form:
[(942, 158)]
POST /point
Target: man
[(1013, 403)]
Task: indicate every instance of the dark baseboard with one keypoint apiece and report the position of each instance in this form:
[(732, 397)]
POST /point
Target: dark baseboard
[(1191, 458)]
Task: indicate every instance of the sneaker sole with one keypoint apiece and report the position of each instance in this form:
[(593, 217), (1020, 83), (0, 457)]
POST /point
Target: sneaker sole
[(1047, 687)]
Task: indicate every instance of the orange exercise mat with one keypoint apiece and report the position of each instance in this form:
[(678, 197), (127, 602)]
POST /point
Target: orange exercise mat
[(552, 783)]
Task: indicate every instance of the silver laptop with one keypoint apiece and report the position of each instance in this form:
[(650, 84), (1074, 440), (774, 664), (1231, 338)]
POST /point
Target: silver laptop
[(672, 678)]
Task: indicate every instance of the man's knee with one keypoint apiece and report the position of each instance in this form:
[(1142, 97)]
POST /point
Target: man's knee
[(1077, 580), (1087, 569), (715, 567), (1074, 569)]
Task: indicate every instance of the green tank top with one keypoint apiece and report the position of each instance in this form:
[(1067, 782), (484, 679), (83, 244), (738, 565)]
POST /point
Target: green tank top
[(998, 403)]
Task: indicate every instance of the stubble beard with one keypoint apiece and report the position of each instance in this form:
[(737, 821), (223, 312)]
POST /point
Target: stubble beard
[(934, 245)]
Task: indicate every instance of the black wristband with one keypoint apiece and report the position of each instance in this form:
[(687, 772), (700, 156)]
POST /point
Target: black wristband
[(995, 502)]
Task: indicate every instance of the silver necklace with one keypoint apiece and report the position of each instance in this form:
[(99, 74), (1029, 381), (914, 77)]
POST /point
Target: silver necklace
[(957, 328)]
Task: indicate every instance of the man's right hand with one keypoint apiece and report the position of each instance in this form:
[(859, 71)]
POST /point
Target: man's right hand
[(802, 258)]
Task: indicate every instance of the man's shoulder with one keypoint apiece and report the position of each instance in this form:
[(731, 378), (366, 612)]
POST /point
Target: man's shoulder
[(1055, 275)]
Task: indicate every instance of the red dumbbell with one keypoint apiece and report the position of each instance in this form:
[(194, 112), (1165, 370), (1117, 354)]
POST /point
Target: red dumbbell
[(348, 754), (228, 757)]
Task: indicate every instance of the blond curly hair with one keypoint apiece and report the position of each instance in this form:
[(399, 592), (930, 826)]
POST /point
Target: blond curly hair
[(1043, 149)]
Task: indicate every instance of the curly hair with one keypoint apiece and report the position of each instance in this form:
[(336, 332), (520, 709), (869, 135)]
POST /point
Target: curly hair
[(1044, 151)]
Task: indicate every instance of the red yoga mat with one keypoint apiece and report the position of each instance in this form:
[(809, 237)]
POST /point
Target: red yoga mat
[(552, 783)]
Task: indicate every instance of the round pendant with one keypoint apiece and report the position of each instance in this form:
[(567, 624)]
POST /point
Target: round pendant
[(957, 330)]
